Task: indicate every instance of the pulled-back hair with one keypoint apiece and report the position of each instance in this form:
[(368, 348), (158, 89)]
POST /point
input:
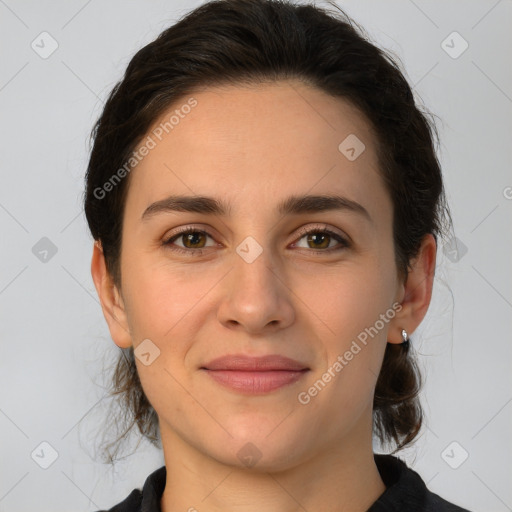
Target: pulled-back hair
[(254, 41)]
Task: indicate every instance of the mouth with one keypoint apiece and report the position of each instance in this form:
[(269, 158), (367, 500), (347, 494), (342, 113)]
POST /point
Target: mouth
[(255, 375)]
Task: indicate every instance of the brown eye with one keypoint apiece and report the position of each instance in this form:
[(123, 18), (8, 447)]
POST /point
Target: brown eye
[(320, 240), (192, 240)]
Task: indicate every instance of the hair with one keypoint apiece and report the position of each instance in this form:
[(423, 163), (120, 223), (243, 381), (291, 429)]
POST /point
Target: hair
[(235, 42)]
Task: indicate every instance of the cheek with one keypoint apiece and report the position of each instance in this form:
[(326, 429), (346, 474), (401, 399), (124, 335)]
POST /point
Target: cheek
[(353, 345), (355, 306), (162, 299), (351, 298)]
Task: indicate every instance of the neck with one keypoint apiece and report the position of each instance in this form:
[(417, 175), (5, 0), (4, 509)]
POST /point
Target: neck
[(339, 479)]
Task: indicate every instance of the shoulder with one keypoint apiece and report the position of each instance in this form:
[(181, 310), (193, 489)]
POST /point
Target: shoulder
[(147, 499), (405, 490), (130, 504)]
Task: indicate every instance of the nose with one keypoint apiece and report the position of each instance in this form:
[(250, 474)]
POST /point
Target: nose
[(255, 295)]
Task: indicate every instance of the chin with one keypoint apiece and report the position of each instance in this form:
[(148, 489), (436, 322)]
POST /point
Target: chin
[(260, 452)]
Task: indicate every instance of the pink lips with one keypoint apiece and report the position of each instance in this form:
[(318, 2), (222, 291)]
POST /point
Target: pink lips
[(255, 375)]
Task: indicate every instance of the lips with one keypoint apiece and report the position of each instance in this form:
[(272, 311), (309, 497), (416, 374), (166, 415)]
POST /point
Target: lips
[(255, 364), (255, 375)]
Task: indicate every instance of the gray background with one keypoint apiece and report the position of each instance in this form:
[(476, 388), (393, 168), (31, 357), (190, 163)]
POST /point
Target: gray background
[(54, 340)]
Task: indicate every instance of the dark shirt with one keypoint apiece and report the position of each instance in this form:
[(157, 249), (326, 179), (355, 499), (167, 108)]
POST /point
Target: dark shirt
[(405, 491)]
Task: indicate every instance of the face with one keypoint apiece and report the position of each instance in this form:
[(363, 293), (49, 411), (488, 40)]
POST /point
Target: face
[(263, 275)]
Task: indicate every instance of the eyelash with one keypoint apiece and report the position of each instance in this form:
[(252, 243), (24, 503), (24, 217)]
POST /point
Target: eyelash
[(303, 232)]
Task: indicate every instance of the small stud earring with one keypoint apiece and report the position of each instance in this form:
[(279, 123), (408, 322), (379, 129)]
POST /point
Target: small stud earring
[(405, 342)]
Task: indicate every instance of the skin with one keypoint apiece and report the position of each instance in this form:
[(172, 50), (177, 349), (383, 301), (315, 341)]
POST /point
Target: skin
[(253, 147)]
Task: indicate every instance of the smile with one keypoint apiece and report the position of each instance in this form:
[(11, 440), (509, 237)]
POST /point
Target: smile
[(255, 375), (255, 382)]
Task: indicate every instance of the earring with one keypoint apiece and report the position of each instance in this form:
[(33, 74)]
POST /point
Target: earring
[(405, 342)]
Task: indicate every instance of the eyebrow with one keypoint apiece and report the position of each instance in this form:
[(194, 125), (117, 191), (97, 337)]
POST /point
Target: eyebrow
[(293, 205)]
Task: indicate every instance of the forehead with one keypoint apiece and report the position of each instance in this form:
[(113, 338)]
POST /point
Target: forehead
[(257, 141)]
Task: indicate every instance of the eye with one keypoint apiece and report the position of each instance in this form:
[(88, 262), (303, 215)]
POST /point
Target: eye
[(319, 240), (193, 240)]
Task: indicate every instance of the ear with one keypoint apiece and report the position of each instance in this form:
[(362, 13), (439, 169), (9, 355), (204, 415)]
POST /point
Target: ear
[(416, 291), (111, 301)]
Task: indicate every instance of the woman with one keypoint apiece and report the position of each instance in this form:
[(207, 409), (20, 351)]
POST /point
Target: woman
[(265, 201)]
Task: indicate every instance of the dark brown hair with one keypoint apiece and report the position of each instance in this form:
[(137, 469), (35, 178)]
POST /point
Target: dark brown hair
[(254, 41)]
